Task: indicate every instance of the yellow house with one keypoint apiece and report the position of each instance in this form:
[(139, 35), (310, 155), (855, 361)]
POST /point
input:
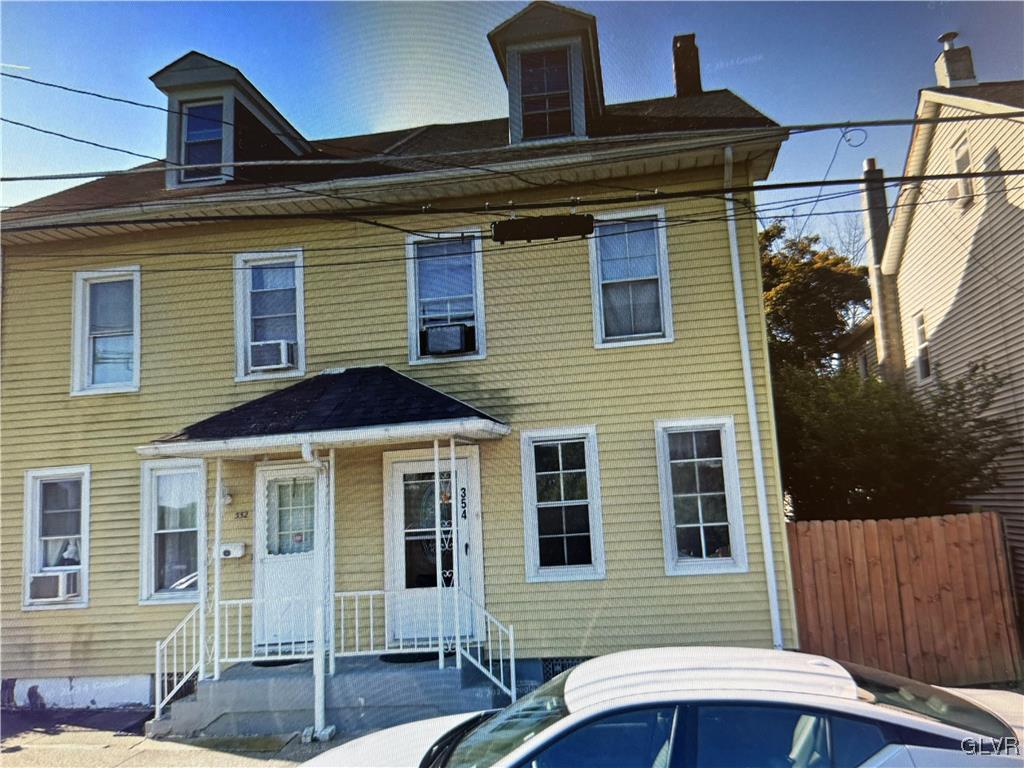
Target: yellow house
[(238, 384)]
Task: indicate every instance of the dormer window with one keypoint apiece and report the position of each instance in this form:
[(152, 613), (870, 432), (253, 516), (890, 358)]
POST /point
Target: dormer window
[(546, 97), (202, 140)]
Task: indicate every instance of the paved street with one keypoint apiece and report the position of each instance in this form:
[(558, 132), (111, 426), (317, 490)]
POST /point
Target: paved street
[(108, 738)]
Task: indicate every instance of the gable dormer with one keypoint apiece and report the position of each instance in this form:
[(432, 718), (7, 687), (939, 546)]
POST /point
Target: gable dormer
[(549, 57), (216, 117)]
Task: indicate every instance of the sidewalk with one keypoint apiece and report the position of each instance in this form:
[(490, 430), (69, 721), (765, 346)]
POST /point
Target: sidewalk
[(108, 738)]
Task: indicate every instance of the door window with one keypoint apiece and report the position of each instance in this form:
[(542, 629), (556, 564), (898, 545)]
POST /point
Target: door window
[(419, 533), (290, 518), (639, 738)]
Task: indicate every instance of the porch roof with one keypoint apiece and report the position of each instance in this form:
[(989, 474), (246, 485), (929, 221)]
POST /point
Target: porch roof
[(348, 407)]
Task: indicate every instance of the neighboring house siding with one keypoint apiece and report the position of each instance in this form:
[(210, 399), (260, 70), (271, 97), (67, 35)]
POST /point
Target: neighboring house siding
[(963, 269), (541, 370)]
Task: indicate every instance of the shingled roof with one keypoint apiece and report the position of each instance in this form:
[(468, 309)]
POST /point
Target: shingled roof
[(355, 398), (429, 148)]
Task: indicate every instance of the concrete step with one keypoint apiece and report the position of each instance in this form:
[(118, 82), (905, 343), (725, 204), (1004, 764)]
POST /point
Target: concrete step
[(363, 695)]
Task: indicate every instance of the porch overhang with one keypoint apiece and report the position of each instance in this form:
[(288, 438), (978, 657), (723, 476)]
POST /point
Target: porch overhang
[(348, 408), (467, 429)]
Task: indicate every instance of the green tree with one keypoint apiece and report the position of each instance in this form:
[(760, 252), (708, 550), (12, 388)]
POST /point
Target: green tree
[(810, 293), (868, 449)]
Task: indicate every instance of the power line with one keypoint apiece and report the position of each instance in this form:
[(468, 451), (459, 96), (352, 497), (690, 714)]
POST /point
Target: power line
[(535, 205), (666, 225)]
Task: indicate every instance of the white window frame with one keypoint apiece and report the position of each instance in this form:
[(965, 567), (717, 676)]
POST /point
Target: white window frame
[(31, 522), (737, 563), (214, 175), (472, 237), (151, 470), (534, 572), (664, 282), (922, 343), (176, 106), (964, 187), (80, 355), (515, 89), (243, 306)]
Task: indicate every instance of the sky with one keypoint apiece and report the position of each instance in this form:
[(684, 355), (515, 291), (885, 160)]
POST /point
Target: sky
[(343, 68)]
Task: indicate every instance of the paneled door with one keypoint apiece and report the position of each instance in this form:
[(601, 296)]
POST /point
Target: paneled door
[(412, 547), (283, 561)]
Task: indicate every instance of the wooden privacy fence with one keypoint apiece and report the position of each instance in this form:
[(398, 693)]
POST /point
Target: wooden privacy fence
[(925, 597)]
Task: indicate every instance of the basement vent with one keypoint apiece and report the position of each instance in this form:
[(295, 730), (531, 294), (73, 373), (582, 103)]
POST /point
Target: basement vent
[(559, 664)]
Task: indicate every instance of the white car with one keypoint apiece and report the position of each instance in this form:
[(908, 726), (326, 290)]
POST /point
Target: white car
[(704, 707)]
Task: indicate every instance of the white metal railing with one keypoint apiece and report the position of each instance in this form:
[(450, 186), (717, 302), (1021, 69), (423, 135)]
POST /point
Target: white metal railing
[(177, 659), (254, 629), (379, 621), (492, 648)]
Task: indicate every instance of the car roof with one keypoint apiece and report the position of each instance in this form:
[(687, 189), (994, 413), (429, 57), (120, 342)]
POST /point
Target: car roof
[(703, 669)]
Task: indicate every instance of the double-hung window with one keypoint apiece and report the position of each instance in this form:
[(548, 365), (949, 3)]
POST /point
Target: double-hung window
[(924, 360), (702, 518), (446, 298), (107, 331), (629, 278), (56, 537), (269, 317), (562, 504), (172, 525), (546, 96), (202, 138)]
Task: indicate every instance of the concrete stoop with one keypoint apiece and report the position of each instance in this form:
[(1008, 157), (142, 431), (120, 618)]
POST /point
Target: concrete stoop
[(364, 695)]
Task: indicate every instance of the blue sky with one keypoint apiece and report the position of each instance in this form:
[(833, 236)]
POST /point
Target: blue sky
[(343, 68)]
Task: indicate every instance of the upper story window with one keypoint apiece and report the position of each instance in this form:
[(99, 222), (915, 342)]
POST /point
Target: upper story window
[(546, 99), (56, 537), (269, 315), (632, 298), (700, 499), (924, 361), (202, 138), (562, 504), (446, 306), (962, 164), (172, 522), (106, 346)]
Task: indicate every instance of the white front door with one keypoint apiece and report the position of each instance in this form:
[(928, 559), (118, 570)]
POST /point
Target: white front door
[(412, 544), (283, 560)]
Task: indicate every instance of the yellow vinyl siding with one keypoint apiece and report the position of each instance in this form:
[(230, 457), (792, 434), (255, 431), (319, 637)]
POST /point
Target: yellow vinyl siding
[(541, 370)]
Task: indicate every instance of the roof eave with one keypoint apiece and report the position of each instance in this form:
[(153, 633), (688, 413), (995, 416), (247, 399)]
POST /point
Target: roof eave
[(472, 428)]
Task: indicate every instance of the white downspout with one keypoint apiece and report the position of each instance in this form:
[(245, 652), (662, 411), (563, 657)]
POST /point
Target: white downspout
[(319, 639), (332, 475), (752, 419), (456, 552)]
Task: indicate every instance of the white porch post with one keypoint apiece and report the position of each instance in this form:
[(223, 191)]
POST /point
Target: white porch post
[(456, 552), (204, 551), (330, 561), (437, 555), (218, 513)]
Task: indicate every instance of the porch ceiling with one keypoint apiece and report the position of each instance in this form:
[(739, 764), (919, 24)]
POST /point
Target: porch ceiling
[(351, 407)]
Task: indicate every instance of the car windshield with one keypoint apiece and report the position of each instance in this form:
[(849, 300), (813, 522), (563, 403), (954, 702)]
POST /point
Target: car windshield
[(513, 726), (891, 690)]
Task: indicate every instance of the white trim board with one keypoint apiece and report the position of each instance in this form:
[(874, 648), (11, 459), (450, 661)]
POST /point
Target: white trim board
[(80, 371), (33, 478), (242, 307), (151, 469), (664, 281), (534, 572), (737, 563)]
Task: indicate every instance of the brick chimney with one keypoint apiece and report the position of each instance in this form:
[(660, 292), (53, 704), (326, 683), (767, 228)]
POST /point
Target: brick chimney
[(954, 66), (686, 65)]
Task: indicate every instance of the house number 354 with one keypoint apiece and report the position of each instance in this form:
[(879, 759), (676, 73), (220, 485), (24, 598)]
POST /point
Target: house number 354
[(462, 502)]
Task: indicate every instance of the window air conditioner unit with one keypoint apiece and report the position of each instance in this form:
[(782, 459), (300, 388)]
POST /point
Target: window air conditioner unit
[(54, 587), (449, 339), (271, 355)]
